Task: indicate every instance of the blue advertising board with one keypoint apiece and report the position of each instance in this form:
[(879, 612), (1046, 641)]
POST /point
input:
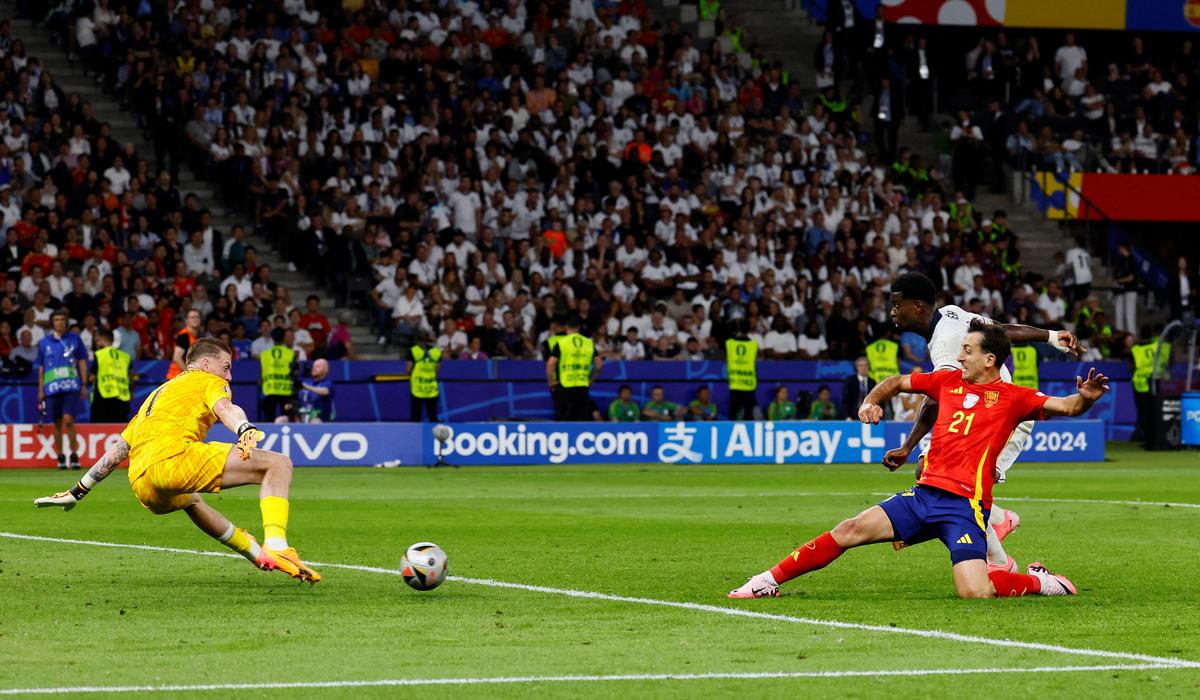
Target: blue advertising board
[(721, 442), (1190, 418), (1051, 441), (339, 444)]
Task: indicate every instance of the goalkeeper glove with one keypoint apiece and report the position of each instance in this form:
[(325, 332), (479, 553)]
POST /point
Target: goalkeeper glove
[(64, 499), (248, 437)]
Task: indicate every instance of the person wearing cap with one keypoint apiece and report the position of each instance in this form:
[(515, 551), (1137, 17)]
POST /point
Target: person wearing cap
[(277, 365)]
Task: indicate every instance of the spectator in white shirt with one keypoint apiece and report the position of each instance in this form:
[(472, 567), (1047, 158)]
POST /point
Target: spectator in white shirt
[(239, 281), (118, 177), (1051, 305), (631, 347), (1079, 264), (1069, 58), (625, 290), (780, 342)]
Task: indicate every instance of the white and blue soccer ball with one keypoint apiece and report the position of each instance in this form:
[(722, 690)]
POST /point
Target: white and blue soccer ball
[(441, 433), (424, 566)]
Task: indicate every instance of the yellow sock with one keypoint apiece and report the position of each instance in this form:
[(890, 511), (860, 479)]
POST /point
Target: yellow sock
[(239, 541), (275, 518)]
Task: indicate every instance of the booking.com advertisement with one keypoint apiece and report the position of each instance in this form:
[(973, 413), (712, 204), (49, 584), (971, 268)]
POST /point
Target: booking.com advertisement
[(723, 442)]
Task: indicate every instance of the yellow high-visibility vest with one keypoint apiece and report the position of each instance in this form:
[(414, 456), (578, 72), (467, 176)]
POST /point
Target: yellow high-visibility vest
[(276, 364), (883, 357), (1025, 366), (741, 360), (424, 383), (112, 373), (576, 355)]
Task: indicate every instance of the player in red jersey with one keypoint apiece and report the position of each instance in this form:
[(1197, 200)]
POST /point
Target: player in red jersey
[(950, 502)]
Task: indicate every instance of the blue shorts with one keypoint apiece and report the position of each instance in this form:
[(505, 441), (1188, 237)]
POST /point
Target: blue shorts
[(923, 513), (65, 404)]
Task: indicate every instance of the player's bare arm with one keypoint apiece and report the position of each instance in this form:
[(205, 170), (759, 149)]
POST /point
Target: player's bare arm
[(1063, 341), (895, 458), (233, 417), (1089, 392), (871, 410), (111, 459)]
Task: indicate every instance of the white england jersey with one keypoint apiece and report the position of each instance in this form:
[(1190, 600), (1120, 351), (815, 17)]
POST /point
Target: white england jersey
[(950, 326)]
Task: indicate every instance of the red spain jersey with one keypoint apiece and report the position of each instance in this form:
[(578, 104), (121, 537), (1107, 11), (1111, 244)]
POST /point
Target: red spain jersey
[(974, 422)]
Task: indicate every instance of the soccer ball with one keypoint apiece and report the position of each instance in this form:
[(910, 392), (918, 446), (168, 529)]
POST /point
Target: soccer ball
[(441, 433), (424, 566)]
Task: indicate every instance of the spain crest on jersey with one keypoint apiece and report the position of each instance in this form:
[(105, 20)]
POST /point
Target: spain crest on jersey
[(990, 398)]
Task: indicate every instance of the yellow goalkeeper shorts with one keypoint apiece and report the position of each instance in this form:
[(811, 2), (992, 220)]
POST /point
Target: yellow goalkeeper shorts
[(168, 484)]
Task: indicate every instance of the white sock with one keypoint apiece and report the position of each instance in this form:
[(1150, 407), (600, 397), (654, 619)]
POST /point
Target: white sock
[(995, 551), (276, 543), (996, 515), (228, 534), (768, 577)]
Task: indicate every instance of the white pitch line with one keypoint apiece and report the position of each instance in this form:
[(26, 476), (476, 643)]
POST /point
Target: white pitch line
[(508, 680), (699, 607)]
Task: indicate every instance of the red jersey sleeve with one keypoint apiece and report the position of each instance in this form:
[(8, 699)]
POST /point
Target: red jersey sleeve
[(931, 383), (1029, 404)]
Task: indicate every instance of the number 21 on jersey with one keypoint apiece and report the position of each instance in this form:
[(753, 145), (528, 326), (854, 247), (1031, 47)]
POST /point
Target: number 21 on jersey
[(959, 417)]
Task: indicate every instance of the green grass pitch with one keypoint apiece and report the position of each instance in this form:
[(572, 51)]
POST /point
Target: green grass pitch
[(84, 615)]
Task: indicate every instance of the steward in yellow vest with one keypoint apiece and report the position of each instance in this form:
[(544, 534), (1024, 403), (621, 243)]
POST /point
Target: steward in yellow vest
[(278, 372), (423, 381), (111, 396), (569, 372), (1025, 366), (741, 362), (883, 357)]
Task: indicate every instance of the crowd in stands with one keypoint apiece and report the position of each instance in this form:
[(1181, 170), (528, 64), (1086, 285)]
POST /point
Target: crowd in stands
[(473, 172)]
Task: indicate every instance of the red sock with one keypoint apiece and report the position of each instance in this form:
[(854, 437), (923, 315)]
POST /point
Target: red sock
[(1009, 584), (815, 554)]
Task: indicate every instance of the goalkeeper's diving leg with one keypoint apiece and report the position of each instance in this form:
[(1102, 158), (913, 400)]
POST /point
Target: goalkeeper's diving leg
[(1002, 522)]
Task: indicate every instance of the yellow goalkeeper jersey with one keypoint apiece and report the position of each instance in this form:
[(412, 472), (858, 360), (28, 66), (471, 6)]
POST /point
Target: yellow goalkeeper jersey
[(178, 412)]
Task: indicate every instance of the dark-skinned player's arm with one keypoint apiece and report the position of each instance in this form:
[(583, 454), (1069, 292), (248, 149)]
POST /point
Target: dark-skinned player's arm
[(1088, 392), (895, 458), (102, 468), (1063, 341), (233, 417)]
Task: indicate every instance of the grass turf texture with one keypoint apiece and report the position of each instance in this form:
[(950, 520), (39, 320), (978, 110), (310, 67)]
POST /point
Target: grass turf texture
[(84, 615)]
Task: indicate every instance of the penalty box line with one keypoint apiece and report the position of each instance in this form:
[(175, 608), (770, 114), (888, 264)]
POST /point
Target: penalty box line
[(681, 605), (510, 680)]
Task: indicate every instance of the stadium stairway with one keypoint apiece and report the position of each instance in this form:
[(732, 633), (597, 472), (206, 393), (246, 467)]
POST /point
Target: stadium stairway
[(71, 78)]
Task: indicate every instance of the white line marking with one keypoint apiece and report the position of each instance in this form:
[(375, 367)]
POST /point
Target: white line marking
[(699, 607), (504, 680)]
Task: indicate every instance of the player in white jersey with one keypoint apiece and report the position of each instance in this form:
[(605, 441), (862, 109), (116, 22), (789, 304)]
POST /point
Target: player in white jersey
[(913, 310)]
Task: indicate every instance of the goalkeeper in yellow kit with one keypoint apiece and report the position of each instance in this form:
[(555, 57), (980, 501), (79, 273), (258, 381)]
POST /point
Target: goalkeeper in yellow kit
[(170, 465)]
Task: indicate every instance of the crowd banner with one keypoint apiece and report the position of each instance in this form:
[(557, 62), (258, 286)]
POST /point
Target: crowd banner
[(721, 442)]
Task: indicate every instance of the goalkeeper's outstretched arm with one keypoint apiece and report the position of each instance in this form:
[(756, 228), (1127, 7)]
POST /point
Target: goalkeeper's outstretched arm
[(101, 469), (233, 417)]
